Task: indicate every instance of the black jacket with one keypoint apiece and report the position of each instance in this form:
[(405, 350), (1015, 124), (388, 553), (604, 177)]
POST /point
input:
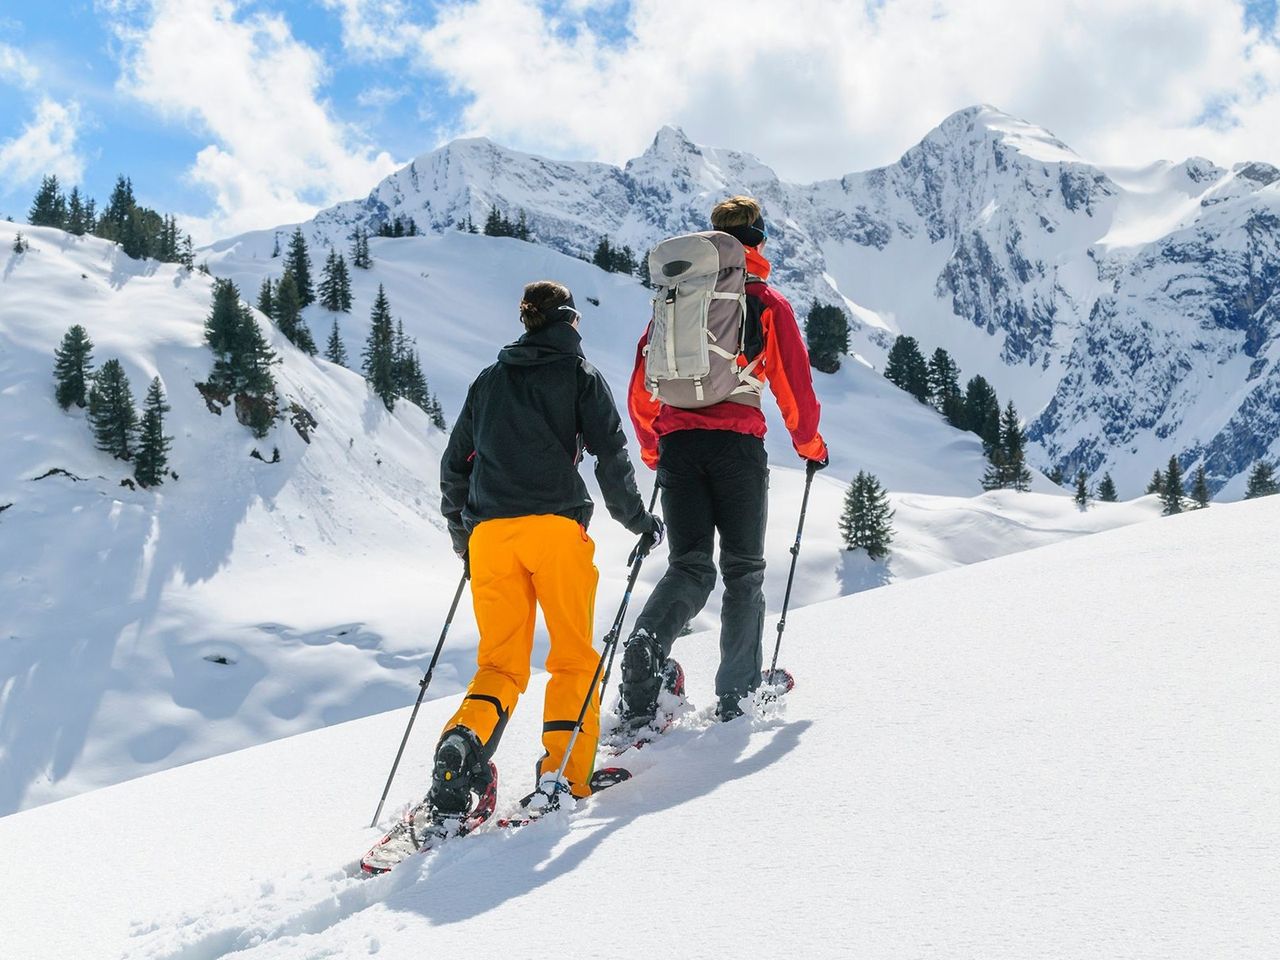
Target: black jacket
[(516, 445)]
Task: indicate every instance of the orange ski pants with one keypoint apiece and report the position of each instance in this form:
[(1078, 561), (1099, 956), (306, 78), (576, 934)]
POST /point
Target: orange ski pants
[(517, 564)]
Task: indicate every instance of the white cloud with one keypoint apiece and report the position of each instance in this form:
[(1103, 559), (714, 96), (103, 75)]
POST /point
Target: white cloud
[(278, 151), (818, 88), (46, 145), (15, 68)]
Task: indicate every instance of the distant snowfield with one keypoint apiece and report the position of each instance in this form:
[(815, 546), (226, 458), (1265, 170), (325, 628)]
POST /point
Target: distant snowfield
[(323, 579), (1065, 753)]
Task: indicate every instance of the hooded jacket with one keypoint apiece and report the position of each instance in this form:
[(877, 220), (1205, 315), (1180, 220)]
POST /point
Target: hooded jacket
[(519, 438)]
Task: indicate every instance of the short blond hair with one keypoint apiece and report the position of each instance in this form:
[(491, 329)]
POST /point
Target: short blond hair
[(738, 211)]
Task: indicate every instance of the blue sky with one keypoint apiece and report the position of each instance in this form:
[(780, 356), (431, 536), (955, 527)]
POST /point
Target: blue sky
[(239, 114)]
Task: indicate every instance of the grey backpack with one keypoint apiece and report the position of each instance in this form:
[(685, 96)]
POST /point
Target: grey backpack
[(699, 323)]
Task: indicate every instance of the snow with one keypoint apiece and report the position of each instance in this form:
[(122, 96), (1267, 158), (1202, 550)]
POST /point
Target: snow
[(959, 772), (323, 579)]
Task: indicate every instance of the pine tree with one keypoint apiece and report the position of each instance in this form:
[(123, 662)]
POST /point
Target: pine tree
[(1200, 489), (521, 231), (20, 244), (603, 257), (1007, 459), (400, 360), (493, 223), (379, 351), (223, 334), (646, 276), (827, 332), (1172, 493), (982, 411), (76, 222), (360, 250), (253, 361), (288, 307), (266, 299), (111, 411), (1107, 489), (49, 208), (1157, 483), (1082, 489), (328, 289), (288, 314), (187, 256), (275, 247), (1057, 476), (1014, 440), (1262, 481), (344, 285), (298, 263), (153, 445), (944, 379), (335, 351), (111, 225), (71, 367), (865, 521), (436, 412), (906, 368)]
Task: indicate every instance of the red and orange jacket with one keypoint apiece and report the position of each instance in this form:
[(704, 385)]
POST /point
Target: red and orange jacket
[(784, 365)]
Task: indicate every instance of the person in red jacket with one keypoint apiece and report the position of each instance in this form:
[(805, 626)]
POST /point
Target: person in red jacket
[(714, 477)]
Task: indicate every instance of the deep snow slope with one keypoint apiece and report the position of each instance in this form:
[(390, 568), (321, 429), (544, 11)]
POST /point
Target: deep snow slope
[(1090, 775), (324, 577), (1130, 313)]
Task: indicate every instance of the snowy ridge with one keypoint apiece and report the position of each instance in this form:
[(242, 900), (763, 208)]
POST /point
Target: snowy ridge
[(323, 578), (1130, 313), (1094, 779)]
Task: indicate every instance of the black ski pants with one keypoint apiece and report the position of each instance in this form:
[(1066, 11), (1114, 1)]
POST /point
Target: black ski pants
[(714, 482)]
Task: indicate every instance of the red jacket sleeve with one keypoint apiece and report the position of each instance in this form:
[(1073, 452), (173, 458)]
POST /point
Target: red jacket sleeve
[(786, 367), (643, 409)]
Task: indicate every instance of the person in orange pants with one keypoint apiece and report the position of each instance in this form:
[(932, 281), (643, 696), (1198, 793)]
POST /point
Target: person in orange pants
[(518, 511)]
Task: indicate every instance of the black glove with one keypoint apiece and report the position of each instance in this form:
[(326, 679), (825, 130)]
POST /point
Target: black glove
[(813, 466), (648, 540)]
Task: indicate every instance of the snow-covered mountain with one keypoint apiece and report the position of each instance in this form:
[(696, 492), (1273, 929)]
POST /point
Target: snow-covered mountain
[(322, 579), (955, 775), (1131, 313)]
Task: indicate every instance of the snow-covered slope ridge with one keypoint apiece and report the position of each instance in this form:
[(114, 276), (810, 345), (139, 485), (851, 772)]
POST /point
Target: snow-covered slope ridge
[(1091, 776), (1130, 312), (322, 579)]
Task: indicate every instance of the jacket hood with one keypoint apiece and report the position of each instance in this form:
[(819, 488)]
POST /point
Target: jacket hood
[(547, 345)]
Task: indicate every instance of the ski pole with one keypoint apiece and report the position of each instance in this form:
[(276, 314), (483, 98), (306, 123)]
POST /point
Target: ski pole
[(810, 470), (422, 692), (610, 648)]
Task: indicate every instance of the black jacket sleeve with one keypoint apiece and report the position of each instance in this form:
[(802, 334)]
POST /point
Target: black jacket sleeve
[(603, 438), (455, 475)]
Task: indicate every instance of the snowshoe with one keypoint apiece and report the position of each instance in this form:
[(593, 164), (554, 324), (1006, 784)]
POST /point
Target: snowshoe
[(638, 729), (547, 797), (423, 828), (777, 681)]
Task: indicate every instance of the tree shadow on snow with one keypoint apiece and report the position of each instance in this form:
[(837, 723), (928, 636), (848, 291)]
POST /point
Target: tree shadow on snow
[(859, 572), (506, 865)]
